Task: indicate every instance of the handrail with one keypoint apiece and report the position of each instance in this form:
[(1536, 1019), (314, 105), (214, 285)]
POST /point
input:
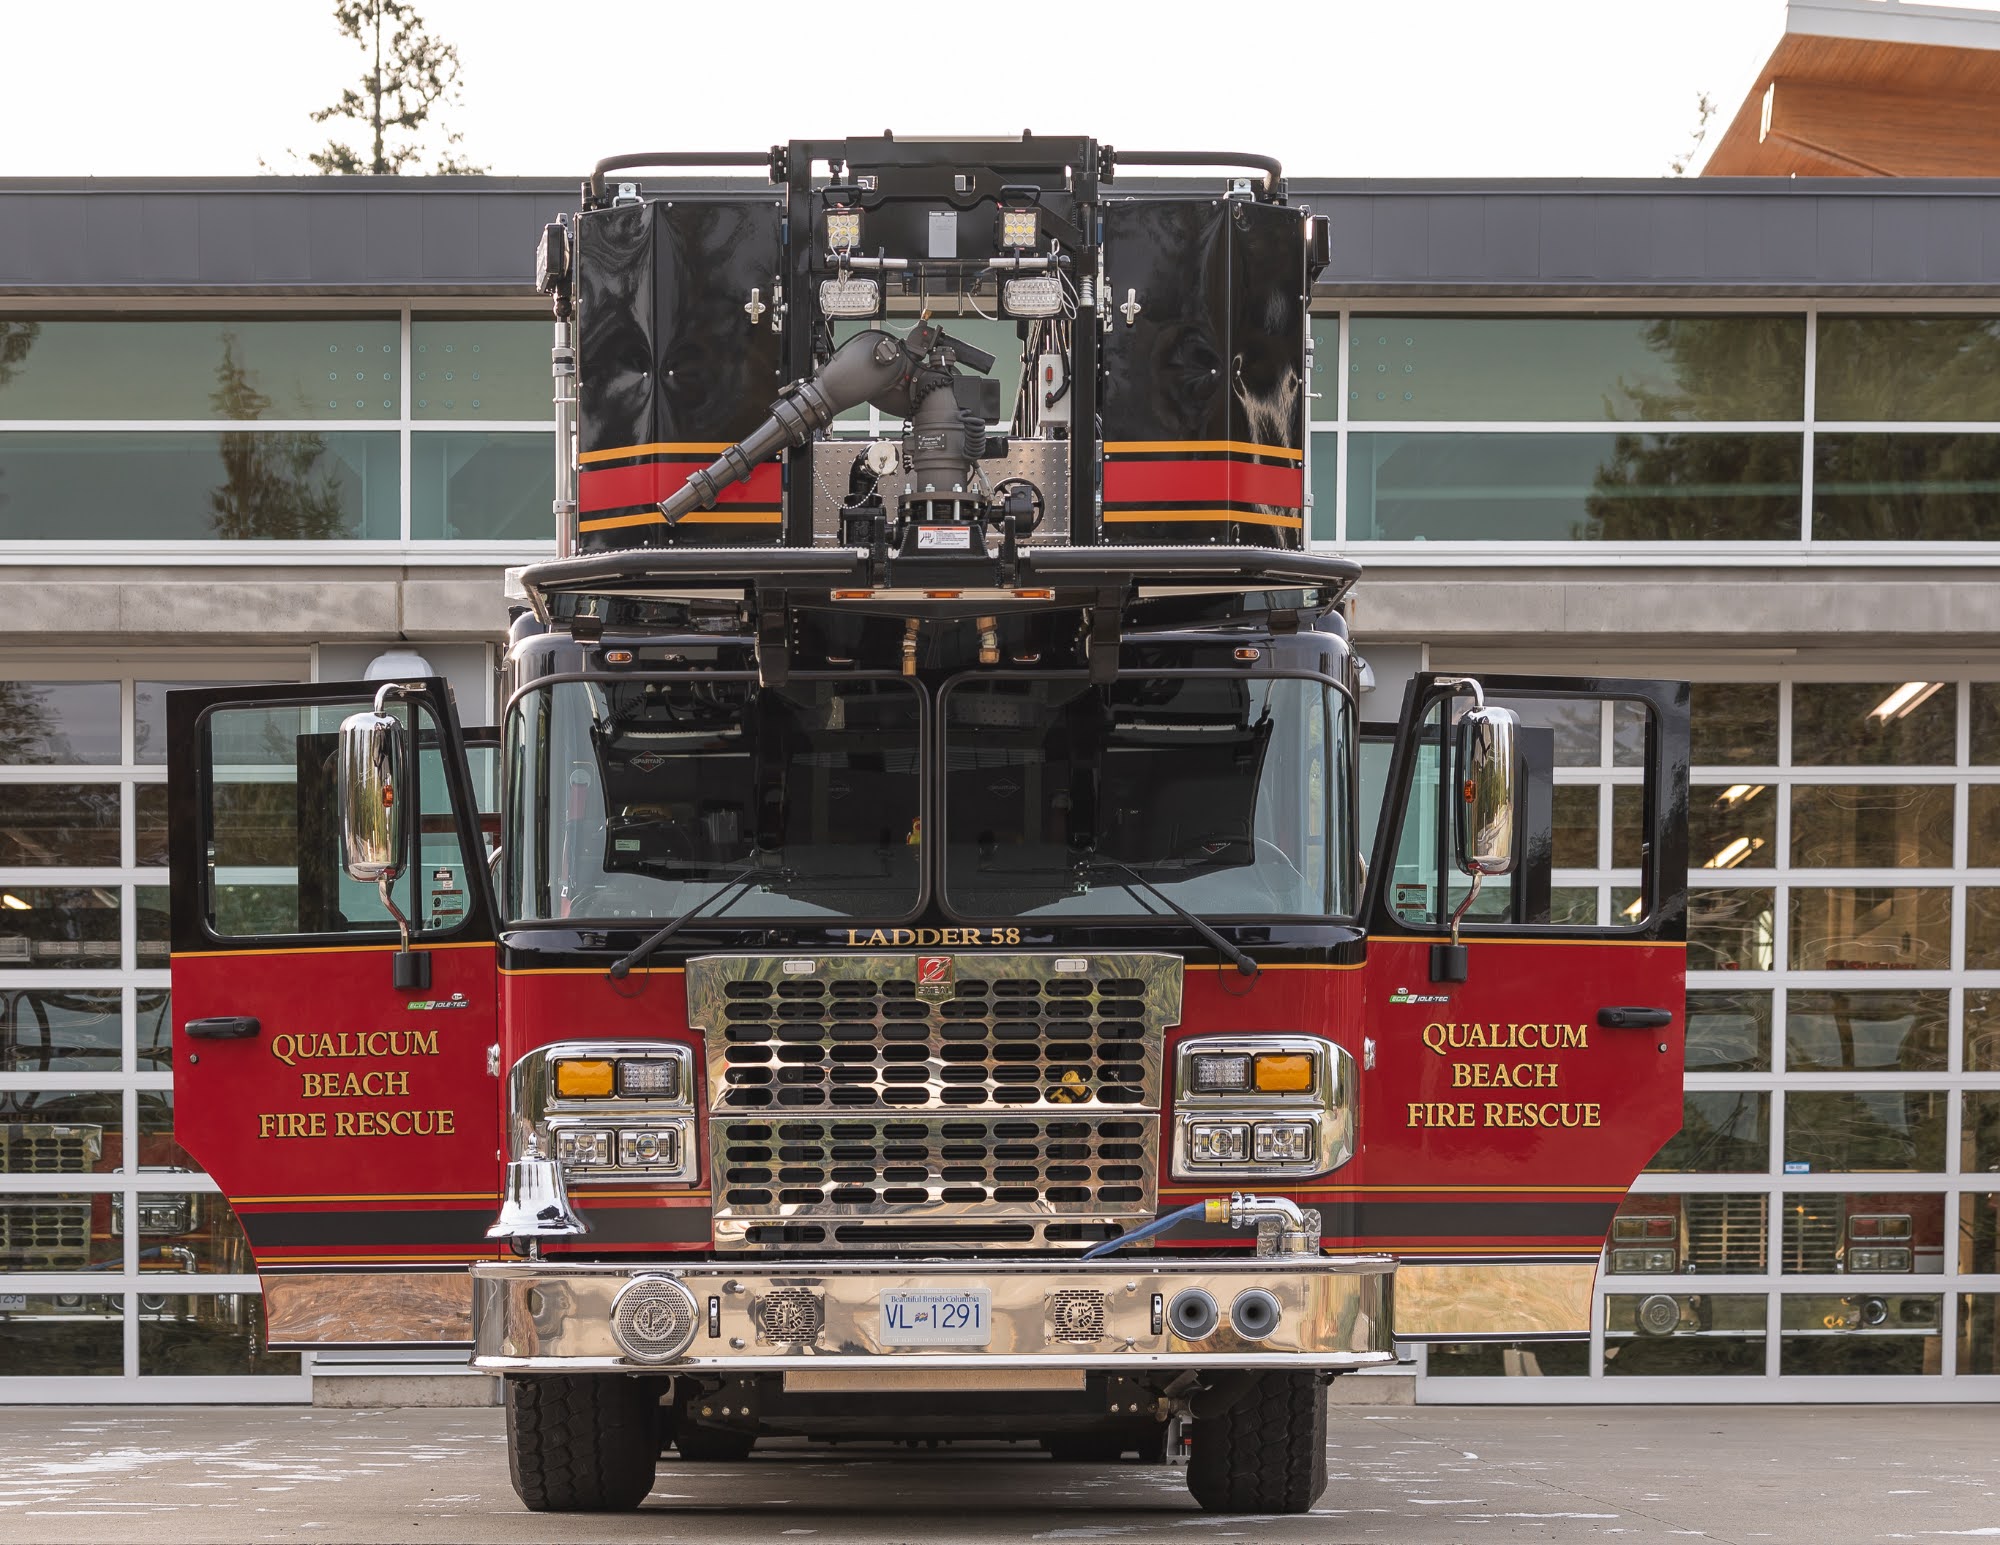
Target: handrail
[(674, 158), (1268, 165)]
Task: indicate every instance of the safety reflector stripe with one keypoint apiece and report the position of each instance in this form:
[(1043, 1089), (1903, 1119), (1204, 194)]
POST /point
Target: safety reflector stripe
[(1209, 517), (648, 482), (1220, 482), (681, 448), (1236, 447), (698, 518)]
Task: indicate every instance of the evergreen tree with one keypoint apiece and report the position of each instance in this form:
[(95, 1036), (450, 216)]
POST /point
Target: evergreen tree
[(410, 75)]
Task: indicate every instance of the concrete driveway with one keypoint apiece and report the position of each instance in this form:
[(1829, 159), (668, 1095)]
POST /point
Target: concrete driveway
[(1785, 1474)]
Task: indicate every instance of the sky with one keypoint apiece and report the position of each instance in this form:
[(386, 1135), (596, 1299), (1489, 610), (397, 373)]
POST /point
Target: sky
[(1335, 88)]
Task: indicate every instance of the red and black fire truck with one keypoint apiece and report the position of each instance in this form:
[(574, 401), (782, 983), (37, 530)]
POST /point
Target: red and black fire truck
[(950, 956)]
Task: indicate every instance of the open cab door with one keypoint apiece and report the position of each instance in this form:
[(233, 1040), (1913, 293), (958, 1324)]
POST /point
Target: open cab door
[(1526, 1021), (333, 1080)]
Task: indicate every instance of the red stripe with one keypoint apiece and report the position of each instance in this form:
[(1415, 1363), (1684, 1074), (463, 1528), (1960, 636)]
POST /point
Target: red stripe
[(619, 488), (1212, 482)]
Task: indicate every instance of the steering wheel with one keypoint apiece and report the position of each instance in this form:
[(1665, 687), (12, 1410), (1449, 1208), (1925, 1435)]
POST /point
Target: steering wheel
[(1212, 845)]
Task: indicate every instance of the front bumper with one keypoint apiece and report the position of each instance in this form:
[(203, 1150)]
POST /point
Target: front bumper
[(554, 1317)]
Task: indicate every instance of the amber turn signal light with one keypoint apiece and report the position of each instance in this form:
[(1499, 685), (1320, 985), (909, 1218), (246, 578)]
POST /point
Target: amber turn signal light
[(1283, 1072), (581, 1080)]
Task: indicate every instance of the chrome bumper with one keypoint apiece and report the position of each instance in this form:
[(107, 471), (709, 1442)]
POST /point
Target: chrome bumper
[(553, 1317)]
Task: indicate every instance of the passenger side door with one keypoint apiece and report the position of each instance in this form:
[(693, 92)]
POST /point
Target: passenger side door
[(352, 1123)]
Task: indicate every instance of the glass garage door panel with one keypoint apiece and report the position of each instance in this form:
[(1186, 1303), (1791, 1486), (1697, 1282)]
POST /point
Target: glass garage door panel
[(120, 1265), (1834, 1175)]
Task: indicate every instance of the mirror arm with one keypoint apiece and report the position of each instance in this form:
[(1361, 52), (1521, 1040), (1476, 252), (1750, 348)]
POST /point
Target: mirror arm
[(383, 885), (409, 971), (398, 687), (1471, 895), (1470, 684)]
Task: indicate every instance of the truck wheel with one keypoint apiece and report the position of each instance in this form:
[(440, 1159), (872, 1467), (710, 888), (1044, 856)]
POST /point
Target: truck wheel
[(582, 1443), (1267, 1452)]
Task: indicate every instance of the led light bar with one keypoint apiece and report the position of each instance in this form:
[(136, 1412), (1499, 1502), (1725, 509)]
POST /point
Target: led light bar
[(1219, 1072), (1035, 295), (650, 1075), (848, 296)]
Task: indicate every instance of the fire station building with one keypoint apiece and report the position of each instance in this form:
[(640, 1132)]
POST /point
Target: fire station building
[(1745, 432)]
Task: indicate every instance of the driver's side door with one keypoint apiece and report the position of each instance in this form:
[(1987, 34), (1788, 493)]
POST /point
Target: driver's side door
[(1505, 1114)]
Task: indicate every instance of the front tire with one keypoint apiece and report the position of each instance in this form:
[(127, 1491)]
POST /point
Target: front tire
[(1267, 1452), (582, 1443)]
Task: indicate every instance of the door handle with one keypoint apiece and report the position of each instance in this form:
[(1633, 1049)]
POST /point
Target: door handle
[(1635, 1019), (226, 1027)]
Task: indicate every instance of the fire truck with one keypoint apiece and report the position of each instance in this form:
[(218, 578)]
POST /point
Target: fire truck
[(950, 957)]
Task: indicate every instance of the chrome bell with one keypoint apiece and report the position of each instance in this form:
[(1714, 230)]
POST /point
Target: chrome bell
[(536, 1204)]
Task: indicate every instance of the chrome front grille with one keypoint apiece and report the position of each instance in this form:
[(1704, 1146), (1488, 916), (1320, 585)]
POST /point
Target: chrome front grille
[(49, 1148), (1725, 1233), (862, 1183), (1015, 1102), (45, 1233), (1007, 1031), (1813, 1227)]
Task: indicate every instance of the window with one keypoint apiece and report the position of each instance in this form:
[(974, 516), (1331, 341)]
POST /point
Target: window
[(645, 797), (1632, 487), (311, 423), (273, 844), (1631, 369)]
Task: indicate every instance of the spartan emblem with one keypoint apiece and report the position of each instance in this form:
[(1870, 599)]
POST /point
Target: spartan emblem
[(935, 977)]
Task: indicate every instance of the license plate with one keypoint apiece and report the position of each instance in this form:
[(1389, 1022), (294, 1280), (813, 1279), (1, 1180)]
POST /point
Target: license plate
[(937, 1317)]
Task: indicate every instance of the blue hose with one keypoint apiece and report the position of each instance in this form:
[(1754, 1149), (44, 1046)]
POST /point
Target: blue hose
[(1147, 1230)]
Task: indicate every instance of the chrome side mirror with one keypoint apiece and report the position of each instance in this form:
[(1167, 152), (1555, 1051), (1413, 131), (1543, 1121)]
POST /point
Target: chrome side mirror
[(373, 758), (1488, 771)]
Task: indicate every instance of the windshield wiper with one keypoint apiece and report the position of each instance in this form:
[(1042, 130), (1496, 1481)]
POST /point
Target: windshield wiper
[(1136, 881), (743, 879)]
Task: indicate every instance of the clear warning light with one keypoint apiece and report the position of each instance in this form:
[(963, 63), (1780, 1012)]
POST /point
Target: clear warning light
[(1038, 295), (849, 297)]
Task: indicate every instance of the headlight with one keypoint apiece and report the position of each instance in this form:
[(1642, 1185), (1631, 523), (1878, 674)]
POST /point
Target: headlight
[(607, 1110), (582, 1148), (1255, 1105), (1218, 1142), (1642, 1263), (655, 1148), (1283, 1142)]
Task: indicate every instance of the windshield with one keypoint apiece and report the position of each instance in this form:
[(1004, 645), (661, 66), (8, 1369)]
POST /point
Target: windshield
[(1228, 793), (643, 798)]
